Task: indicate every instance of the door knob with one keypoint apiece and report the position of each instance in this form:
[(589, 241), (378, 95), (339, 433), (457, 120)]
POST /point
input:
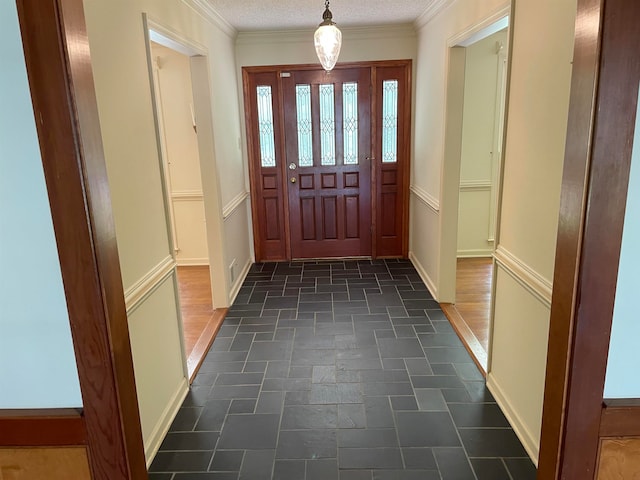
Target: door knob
[(293, 180)]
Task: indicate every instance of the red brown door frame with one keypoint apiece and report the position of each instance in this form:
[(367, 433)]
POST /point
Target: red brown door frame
[(61, 81), (604, 90), (278, 247)]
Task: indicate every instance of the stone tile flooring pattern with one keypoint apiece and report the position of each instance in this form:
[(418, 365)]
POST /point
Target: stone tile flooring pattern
[(339, 370)]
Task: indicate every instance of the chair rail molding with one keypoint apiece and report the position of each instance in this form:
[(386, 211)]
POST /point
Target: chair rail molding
[(425, 197), (476, 186), (233, 205), (187, 195), (139, 291), (525, 275)]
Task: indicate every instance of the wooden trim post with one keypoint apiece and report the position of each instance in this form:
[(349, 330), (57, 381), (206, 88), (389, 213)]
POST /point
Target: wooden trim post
[(604, 95), (58, 63)]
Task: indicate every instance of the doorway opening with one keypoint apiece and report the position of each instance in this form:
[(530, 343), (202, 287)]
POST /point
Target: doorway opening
[(329, 159), (478, 70), (177, 72)]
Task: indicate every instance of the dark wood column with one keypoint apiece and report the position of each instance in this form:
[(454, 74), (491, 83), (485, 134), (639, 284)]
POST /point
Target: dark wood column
[(604, 92), (58, 63)]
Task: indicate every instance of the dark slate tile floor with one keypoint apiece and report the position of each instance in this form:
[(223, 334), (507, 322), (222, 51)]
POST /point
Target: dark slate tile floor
[(339, 370)]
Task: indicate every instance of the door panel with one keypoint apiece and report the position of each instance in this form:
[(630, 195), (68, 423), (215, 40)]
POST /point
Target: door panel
[(267, 194), (328, 132), (392, 157), (315, 191)]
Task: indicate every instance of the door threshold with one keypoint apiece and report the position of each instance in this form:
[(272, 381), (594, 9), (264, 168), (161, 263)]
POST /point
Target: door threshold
[(202, 346), (478, 354), (329, 259)]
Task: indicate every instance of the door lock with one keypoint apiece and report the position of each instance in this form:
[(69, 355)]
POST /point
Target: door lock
[(292, 166)]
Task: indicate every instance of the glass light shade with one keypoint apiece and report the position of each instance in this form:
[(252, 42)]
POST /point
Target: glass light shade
[(328, 40)]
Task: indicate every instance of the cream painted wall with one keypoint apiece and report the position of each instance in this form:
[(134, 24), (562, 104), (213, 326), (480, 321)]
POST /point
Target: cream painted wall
[(159, 361), (542, 49), (536, 125), (474, 213), (435, 36), (518, 356), (118, 49), (296, 47), (477, 158), (536, 131), (173, 83)]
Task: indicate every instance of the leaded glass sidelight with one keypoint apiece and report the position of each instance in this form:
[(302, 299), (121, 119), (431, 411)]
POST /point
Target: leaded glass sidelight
[(305, 130), (350, 122), (389, 121), (265, 127), (327, 126)]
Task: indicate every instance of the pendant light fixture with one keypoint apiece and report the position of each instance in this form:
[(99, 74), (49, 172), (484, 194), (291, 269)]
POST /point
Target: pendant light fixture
[(328, 40)]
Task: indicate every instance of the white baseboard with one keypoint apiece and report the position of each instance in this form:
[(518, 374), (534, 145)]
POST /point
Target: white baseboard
[(235, 288), (479, 253), (424, 275), (530, 444), (152, 445), (192, 262)]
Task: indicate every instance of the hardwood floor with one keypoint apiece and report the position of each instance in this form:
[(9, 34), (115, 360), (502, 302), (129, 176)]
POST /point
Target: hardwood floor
[(470, 314), (200, 320)]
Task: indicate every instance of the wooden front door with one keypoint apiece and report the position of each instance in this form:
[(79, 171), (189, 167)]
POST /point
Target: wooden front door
[(328, 145), (329, 160)]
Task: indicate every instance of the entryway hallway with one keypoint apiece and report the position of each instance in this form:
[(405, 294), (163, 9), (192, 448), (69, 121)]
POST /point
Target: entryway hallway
[(339, 370)]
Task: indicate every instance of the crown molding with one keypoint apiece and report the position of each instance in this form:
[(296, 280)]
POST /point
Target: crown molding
[(205, 9), (432, 10), (303, 35)]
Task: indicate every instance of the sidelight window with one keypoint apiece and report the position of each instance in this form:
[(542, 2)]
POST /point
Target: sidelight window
[(265, 127), (350, 122), (327, 126), (305, 130), (389, 121)]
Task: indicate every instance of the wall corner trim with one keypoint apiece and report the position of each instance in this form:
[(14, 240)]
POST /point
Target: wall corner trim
[(526, 276), (205, 9), (234, 204), (425, 197), (434, 8), (528, 440), (139, 291), (239, 281), (431, 286)]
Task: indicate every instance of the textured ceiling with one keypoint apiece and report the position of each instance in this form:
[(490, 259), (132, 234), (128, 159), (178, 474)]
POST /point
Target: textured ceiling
[(249, 15)]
